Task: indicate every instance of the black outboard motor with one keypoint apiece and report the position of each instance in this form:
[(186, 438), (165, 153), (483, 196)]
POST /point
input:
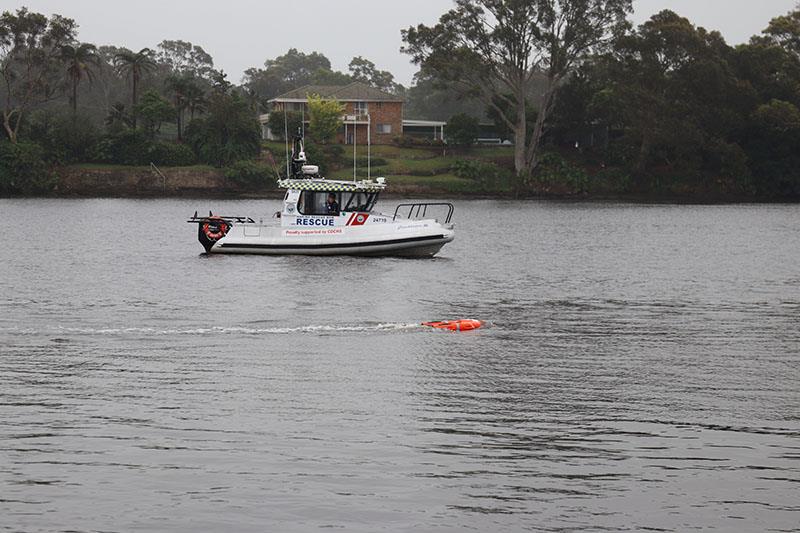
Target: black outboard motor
[(212, 229)]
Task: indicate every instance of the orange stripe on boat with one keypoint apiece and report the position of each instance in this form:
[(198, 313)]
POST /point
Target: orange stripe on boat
[(455, 325)]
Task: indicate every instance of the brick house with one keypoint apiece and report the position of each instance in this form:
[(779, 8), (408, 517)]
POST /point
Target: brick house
[(365, 108)]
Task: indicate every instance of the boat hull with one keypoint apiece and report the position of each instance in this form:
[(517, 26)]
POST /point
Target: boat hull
[(361, 243)]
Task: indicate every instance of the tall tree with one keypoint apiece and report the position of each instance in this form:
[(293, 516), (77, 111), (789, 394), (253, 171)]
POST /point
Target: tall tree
[(431, 98), (228, 132), (185, 89), (495, 48), (674, 89), (290, 71), (785, 30), (29, 49), (365, 71), (79, 60), (135, 64), (195, 99), (185, 58)]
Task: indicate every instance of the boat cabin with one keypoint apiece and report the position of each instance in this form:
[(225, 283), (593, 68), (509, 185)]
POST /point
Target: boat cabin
[(315, 202), (308, 198)]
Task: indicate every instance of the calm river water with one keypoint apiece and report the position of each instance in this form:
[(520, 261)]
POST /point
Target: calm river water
[(641, 371)]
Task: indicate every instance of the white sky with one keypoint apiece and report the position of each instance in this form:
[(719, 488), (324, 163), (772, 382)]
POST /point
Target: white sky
[(243, 33)]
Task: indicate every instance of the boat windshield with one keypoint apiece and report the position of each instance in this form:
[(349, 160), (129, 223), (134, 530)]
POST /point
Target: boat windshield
[(314, 202), (358, 201)]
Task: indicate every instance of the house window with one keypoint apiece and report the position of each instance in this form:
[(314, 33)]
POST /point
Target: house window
[(360, 108), (384, 128)]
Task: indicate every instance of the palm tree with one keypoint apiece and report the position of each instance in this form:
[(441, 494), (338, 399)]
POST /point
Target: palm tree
[(78, 60), (195, 98), (186, 93), (134, 64)]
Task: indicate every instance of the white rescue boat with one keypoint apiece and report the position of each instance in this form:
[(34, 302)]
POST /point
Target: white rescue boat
[(330, 217)]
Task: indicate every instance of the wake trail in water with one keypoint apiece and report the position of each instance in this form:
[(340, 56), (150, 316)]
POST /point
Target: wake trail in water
[(218, 330)]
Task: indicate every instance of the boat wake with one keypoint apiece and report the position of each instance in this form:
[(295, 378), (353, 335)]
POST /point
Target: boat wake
[(219, 330)]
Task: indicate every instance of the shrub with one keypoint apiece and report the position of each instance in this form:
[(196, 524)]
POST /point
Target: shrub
[(279, 125), (227, 133), (374, 162), (328, 157), (250, 174), (462, 129), (127, 148), (63, 137), (23, 169), (487, 175), (403, 141), (611, 179), (325, 118), (152, 110), (171, 154), (555, 170), (409, 141)]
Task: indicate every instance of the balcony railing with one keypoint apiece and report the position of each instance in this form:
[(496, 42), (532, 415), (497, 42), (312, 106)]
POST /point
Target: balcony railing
[(353, 118)]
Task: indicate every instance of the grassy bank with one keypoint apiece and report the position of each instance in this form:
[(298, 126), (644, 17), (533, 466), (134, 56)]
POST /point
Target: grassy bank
[(425, 172), (415, 170)]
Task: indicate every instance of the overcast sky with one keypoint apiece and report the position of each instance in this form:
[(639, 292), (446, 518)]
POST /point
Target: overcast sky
[(243, 33)]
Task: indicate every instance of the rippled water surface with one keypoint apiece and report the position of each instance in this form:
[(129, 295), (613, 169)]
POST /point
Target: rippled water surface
[(641, 371)]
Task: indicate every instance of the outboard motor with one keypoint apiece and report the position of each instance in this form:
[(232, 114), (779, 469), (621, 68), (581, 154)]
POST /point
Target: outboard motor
[(212, 229)]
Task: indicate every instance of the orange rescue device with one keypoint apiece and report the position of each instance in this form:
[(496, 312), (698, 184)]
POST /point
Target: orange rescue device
[(455, 325)]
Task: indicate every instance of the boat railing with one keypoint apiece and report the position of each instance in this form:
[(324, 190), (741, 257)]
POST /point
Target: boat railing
[(240, 220), (420, 210)]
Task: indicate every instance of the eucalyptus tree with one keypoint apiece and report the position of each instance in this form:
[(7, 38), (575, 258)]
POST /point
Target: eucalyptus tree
[(365, 71), (495, 49), (678, 95), (29, 50), (135, 65), (785, 30), (185, 58), (290, 71), (79, 60)]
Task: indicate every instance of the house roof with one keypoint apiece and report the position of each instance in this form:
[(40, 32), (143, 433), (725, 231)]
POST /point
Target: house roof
[(354, 92)]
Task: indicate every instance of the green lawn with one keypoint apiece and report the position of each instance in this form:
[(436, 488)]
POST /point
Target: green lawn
[(390, 151), (492, 151), (386, 151), (436, 165), (444, 181), (419, 167)]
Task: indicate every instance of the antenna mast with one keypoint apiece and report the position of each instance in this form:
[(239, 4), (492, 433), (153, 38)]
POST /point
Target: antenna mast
[(286, 139), (355, 140)]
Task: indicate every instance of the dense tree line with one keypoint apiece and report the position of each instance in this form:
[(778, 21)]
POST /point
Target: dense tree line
[(666, 106), (295, 69), (663, 107), (673, 102), (64, 101)]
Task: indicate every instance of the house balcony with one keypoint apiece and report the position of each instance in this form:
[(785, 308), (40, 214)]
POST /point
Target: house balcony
[(355, 119)]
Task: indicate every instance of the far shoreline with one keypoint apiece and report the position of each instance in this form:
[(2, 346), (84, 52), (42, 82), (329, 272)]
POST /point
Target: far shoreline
[(423, 194)]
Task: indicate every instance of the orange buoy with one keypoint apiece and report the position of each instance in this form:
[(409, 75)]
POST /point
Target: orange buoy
[(455, 325)]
